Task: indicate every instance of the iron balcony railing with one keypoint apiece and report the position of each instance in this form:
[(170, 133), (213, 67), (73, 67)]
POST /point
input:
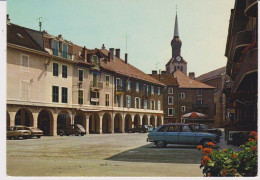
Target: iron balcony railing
[(63, 54)]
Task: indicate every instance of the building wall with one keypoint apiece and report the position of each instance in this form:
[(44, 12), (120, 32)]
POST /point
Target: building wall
[(175, 105)]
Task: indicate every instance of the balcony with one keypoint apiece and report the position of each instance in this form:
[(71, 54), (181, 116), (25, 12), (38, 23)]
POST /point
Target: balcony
[(96, 85), (119, 90), (62, 54), (251, 8), (200, 105), (243, 39)]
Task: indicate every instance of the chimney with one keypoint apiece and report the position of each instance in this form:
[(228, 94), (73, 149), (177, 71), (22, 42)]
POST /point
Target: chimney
[(7, 19), (163, 72), (103, 46), (60, 36), (118, 53), (109, 55), (154, 72), (84, 54), (111, 50), (192, 75), (126, 57)]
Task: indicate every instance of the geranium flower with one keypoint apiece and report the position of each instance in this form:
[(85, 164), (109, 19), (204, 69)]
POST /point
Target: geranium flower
[(199, 147), (205, 160), (234, 170), (234, 156), (207, 151), (211, 144), (224, 172), (253, 148), (224, 150)]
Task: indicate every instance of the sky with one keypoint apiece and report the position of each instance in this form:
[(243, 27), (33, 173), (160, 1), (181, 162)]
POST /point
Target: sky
[(147, 24)]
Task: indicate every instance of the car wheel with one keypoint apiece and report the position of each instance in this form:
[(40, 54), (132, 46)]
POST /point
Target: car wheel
[(61, 133), (76, 134), (160, 144), (82, 134)]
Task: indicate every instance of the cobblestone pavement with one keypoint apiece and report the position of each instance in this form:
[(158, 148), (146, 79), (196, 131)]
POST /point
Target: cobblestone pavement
[(100, 155)]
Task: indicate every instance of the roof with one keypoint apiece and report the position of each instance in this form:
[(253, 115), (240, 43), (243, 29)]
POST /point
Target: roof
[(21, 36), (167, 79), (176, 29), (212, 74), (186, 82), (120, 67)]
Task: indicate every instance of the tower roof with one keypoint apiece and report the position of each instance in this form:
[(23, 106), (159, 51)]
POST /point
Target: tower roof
[(176, 29)]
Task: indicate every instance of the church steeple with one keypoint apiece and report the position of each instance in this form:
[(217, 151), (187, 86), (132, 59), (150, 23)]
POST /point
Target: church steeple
[(176, 42)]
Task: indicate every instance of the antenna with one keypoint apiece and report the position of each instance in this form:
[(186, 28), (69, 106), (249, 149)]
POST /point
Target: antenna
[(126, 42), (156, 65), (40, 23)]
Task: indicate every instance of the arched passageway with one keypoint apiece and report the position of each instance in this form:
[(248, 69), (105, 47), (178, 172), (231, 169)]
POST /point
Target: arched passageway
[(152, 121), (145, 120), (106, 123), (24, 117), (45, 122), (94, 123), (136, 120), (7, 120), (118, 120), (80, 118), (128, 122), (64, 120)]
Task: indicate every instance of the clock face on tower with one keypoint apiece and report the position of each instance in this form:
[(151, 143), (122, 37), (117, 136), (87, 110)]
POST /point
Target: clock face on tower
[(178, 58)]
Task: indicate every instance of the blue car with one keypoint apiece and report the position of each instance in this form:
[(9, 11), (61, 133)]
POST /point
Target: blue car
[(178, 133)]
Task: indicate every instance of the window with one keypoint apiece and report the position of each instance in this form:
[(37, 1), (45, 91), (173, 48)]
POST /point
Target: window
[(64, 50), (24, 62), (170, 100), (55, 48), (163, 129), (159, 104), (152, 90), (24, 89), (55, 94), (183, 108), (144, 88), (171, 111), (80, 97), (159, 91), (55, 69), (107, 80), (95, 80), (119, 100), (147, 90), (199, 92), (64, 98), (152, 104), (182, 95), (137, 103), (199, 102), (145, 104), (170, 90), (94, 98), (173, 128), (107, 99), (128, 85), (95, 61), (119, 84), (128, 101), (186, 128), (81, 75), (64, 71), (175, 68), (137, 87)]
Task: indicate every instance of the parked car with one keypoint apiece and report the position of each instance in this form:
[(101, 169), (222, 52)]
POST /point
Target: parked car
[(206, 128), (142, 129), (76, 129), (178, 133), (35, 132), (18, 132)]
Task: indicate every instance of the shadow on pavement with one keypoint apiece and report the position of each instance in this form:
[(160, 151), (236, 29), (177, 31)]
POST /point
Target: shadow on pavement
[(186, 154)]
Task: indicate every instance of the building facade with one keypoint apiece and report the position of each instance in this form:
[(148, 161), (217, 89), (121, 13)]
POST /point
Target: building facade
[(242, 67), (52, 82)]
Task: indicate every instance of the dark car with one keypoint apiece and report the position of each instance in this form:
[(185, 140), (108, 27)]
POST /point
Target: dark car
[(206, 128), (75, 129), (178, 133), (35, 132), (142, 129)]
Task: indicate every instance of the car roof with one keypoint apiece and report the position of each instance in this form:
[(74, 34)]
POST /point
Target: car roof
[(176, 124), (17, 126)]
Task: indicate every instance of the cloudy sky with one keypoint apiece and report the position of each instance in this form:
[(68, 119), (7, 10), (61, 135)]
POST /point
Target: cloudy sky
[(148, 24)]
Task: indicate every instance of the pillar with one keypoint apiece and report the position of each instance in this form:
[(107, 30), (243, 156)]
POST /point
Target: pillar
[(141, 120), (112, 124), (148, 120), (35, 119), (132, 121), (12, 118), (86, 127), (54, 125), (123, 123), (100, 124), (155, 122)]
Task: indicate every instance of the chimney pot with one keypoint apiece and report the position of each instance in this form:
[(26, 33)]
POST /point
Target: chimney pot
[(163, 72), (154, 72), (103, 46), (126, 57), (111, 50), (118, 53), (60, 36), (192, 75), (85, 53), (7, 19)]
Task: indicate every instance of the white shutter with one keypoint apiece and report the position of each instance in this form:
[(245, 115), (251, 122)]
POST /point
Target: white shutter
[(24, 90), (24, 62)]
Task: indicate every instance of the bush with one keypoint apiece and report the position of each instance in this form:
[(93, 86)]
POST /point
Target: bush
[(227, 162)]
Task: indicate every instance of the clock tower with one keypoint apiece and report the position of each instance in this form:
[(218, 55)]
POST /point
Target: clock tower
[(176, 62)]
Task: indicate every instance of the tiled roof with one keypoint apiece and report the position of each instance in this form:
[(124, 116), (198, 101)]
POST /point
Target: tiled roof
[(120, 67), (19, 36), (167, 79), (186, 82), (211, 74)]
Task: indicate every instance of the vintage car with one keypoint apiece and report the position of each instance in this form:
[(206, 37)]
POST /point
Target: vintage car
[(206, 128), (142, 129), (18, 132), (35, 132), (178, 133), (75, 129)]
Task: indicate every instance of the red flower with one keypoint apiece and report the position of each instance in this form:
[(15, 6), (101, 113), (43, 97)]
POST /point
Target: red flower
[(253, 148), (211, 144), (224, 172), (205, 160), (207, 151), (224, 150), (234, 156), (199, 147)]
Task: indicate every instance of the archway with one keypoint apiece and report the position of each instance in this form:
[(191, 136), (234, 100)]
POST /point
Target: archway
[(128, 122), (45, 122), (7, 120), (80, 118), (94, 123), (106, 123), (145, 120), (152, 120), (136, 120), (64, 120), (118, 120), (159, 121), (24, 117)]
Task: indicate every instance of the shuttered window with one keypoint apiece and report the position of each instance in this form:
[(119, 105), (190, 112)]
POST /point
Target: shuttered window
[(80, 96), (24, 63), (64, 71), (55, 94), (107, 99), (24, 90), (55, 69), (64, 95)]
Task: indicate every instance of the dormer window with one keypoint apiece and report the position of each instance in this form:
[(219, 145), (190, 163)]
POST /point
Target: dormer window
[(55, 48), (65, 51), (95, 61)]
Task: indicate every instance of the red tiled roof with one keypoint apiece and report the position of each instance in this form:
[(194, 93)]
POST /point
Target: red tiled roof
[(120, 67), (186, 82), (18, 35), (211, 74), (167, 79)]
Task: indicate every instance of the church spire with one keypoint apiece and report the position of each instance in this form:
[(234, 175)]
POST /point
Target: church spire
[(176, 29)]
